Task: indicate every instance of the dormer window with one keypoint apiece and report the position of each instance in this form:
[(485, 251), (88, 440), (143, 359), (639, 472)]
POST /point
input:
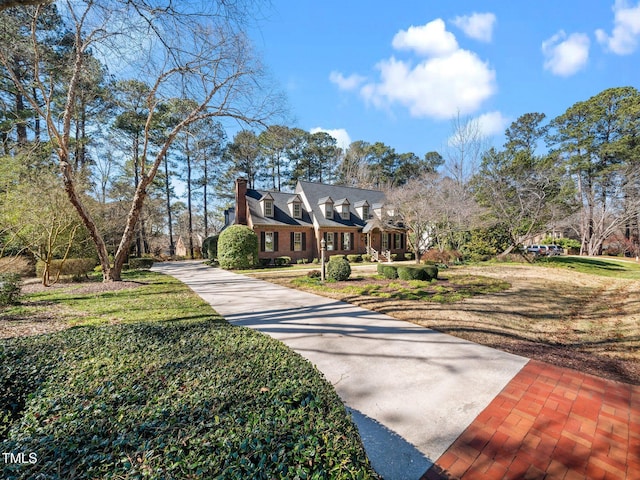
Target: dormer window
[(362, 207), (328, 210), (342, 206), (295, 206), (267, 205), (326, 207)]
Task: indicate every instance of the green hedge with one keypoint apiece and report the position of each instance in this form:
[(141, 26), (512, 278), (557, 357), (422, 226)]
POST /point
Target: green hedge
[(143, 263), (183, 399), (338, 270), (210, 247), (238, 247), (281, 261), (354, 258), (417, 272)]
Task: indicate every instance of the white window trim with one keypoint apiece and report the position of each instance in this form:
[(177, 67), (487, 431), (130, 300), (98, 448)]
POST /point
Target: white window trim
[(297, 241), (268, 208), (346, 241), (328, 210), (330, 241), (268, 248), (297, 210), (344, 214)]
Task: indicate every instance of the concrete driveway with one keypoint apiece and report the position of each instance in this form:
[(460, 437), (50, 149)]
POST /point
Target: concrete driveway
[(411, 391)]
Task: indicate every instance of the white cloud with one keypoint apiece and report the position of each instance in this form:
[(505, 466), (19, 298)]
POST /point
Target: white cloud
[(431, 39), (492, 123), (566, 55), (340, 134), (351, 82), (626, 29), (438, 87), (478, 26)]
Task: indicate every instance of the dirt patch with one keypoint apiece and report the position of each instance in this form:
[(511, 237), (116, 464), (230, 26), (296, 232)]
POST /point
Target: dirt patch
[(559, 316)]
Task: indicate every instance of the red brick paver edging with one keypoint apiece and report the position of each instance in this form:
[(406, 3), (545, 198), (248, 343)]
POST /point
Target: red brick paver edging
[(550, 423)]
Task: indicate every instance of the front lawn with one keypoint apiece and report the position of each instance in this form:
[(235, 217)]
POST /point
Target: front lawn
[(182, 394), (581, 314)]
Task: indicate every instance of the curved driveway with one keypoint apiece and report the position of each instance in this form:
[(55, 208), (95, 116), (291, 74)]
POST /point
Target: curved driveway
[(411, 391)]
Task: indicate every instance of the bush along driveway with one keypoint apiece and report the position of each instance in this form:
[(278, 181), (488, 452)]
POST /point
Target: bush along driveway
[(188, 397)]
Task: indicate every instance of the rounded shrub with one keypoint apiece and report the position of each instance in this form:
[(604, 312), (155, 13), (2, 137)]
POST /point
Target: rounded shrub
[(389, 271), (431, 270), (10, 288), (210, 247), (412, 273), (281, 261), (366, 258), (238, 247), (354, 258), (338, 270)]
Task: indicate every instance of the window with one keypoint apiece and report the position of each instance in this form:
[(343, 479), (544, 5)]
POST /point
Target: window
[(268, 241), (365, 212), (329, 240), (398, 241), (297, 210), (385, 241), (297, 241), (344, 214), (346, 241), (328, 210), (268, 208)]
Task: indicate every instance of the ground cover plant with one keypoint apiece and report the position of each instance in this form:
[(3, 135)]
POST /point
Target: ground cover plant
[(175, 397), (576, 312)]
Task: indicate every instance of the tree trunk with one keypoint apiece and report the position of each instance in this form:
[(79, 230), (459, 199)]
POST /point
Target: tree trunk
[(172, 247)]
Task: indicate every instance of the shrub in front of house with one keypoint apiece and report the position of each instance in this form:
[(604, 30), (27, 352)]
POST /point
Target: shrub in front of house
[(264, 262), (354, 258), (366, 258), (338, 270), (408, 256), (337, 257), (389, 271), (210, 247), (10, 288), (143, 263), (281, 261), (314, 274), (417, 272), (238, 247)]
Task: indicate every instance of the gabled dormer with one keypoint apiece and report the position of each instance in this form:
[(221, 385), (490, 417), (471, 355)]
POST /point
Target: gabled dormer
[(295, 206), (362, 209), (342, 207), (326, 206), (266, 202), (377, 210)]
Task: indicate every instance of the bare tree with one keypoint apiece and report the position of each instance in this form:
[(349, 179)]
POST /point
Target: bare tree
[(464, 149), (188, 49)]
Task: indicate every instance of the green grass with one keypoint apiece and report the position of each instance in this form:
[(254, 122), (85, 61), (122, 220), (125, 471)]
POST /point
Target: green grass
[(454, 289), (179, 394), (605, 267), (155, 298)]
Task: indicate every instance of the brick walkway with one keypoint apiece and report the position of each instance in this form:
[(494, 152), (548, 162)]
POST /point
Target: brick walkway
[(550, 423)]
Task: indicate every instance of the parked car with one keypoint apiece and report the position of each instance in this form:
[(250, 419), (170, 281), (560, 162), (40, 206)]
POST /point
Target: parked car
[(537, 249), (555, 250)]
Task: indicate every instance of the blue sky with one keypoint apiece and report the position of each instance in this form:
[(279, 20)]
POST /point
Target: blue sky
[(399, 72)]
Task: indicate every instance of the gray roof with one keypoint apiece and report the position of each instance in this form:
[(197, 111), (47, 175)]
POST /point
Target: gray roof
[(314, 192), (281, 212)]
